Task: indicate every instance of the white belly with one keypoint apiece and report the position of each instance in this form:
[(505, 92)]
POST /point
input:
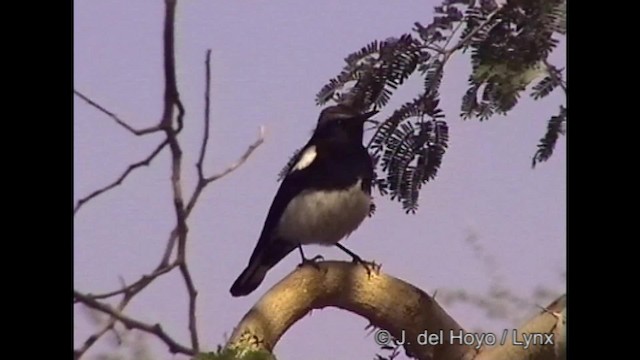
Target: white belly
[(317, 217)]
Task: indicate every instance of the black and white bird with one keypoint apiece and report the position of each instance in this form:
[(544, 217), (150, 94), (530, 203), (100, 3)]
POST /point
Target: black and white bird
[(324, 197)]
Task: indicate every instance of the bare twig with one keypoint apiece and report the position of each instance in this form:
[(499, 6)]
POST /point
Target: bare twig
[(120, 179), (242, 159), (202, 184), (207, 111), (138, 285), (130, 323), (77, 354), (202, 180), (171, 243), (139, 132), (129, 293)]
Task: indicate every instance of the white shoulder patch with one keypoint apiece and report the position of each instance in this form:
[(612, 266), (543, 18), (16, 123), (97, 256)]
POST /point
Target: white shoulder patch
[(306, 158)]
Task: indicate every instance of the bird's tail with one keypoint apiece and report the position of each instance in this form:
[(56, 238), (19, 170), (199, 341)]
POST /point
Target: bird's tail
[(261, 262)]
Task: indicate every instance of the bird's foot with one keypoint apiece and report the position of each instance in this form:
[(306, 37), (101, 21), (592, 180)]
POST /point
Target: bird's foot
[(313, 261)]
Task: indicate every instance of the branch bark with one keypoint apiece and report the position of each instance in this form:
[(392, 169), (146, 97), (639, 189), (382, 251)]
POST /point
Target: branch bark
[(388, 303)]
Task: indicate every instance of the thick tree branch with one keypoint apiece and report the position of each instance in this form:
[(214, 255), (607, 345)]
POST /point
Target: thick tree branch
[(388, 303), (546, 339)]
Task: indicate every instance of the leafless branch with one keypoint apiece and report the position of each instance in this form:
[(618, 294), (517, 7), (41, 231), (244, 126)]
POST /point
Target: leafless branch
[(242, 159), (145, 162), (136, 132), (130, 323), (193, 294), (77, 354), (171, 243), (202, 184), (207, 111), (129, 293), (179, 233), (138, 285), (172, 100), (202, 180)]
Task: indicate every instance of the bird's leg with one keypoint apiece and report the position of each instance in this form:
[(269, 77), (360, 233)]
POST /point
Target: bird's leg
[(368, 265), (356, 258), (313, 261)]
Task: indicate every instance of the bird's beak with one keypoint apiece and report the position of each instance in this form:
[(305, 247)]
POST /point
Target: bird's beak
[(369, 114)]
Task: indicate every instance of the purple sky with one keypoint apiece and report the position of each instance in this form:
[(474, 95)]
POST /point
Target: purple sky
[(269, 59)]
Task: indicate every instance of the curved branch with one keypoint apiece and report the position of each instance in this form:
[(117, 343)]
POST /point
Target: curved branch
[(387, 302), (545, 333), (391, 304)]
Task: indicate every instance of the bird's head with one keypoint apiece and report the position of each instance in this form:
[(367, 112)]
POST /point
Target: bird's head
[(340, 120)]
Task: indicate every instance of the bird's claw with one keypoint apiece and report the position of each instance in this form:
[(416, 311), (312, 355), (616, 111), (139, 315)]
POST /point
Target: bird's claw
[(313, 261), (369, 266)]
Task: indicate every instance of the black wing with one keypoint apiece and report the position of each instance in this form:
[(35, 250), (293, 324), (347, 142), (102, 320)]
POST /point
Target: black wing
[(292, 184)]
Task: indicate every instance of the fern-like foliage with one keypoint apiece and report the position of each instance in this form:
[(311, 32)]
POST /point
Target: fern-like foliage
[(374, 72), (555, 128), (548, 83), (410, 145), (509, 45)]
